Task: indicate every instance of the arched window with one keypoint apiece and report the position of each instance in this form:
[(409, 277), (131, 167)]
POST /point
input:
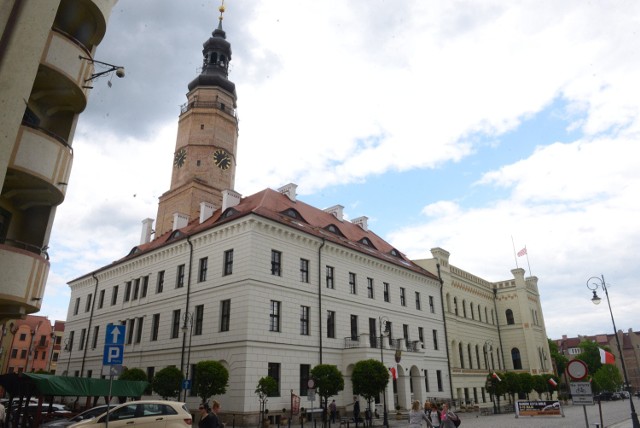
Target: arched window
[(455, 305), (509, 314), (493, 318), (486, 317), (448, 303), (461, 355), (471, 308), (515, 357), (479, 313), (478, 356), (464, 308), (470, 356)]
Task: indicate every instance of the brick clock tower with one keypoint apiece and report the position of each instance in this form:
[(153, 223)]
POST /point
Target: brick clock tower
[(204, 162)]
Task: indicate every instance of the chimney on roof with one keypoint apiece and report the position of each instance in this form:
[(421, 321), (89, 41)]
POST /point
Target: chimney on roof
[(289, 190), (336, 211), (147, 230), (362, 222), (230, 198), (180, 221), (206, 211)]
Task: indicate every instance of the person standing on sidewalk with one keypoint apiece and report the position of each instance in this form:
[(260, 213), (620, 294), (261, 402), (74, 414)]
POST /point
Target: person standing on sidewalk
[(447, 417), (416, 416)]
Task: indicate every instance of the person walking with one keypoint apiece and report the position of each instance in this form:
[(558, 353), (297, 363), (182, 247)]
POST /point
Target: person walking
[(416, 416), (434, 415), (356, 410), (447, 417), (333, 409), (206, 421), (215, 409)]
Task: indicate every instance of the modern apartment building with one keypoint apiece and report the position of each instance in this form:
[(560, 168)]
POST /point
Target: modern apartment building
[(46, 49)]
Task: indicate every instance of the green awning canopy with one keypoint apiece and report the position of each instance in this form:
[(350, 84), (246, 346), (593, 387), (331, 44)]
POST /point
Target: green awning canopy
[(34, 385)]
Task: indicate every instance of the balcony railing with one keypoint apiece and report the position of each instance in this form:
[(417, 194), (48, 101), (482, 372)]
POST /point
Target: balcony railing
[(207, 104), (385, 342)]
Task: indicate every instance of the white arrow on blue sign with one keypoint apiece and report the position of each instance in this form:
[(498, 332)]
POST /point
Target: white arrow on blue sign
[(114, 345)]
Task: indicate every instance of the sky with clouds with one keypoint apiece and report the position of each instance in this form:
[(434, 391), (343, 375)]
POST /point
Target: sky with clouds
[(475, 126)]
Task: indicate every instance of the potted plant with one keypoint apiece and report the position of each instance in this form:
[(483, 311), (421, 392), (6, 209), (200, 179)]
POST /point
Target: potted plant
[(398, 414)]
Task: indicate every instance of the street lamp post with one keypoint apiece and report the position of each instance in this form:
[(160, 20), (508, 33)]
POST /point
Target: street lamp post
[(593, 284), (383, 321), (187, 326), (488, 347)]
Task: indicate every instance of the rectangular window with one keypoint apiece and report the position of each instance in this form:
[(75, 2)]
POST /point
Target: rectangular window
[(175, 324), (435, 340), (114, 295), (432, 307), (426, 380), (199, 320), (14, 353), (155, 327), (145, 286), (405, 333), (23, 354), (304, 270), (305, 370), (87, 306), (276, 263), (370, 288), (139, 330), (228, 262), (402, 297), (225, 315), (83, 336), (331, 324), (132, 324), (127, 291), (329, 271), (418, 303), (76, 307), (439, 379), (180, 276), (304, 320), (202, 269), (160, 282), (274, 316), (101, 299), (373, 334), (69, 345), (354, 327), (151, 372), (353, 286), (421, 336), (136, 288), (96, 332), (274, 372), (386, 291)]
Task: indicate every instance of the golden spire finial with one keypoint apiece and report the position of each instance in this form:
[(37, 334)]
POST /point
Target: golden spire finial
[(221, 9)]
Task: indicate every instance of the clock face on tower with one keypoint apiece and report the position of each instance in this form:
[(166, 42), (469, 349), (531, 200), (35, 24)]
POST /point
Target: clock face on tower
[(179, 158), (221, 159)]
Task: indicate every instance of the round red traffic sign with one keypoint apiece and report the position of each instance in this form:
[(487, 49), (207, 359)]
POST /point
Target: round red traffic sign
[(577, 369)]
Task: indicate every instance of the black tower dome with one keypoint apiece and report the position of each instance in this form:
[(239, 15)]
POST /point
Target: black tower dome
[(215, 64)]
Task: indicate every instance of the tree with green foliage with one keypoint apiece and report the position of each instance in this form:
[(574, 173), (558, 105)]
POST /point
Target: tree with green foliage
[(525, 383), (212, 378), (168, 382), (135, 374), (559, 359), (511, 384), (590, 355), (329, 382), (607, 378), (369, 378), (539, 384), (267, 387)]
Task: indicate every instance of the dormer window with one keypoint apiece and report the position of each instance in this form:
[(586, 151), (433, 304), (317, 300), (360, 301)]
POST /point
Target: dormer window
[(175, 234), (228, 213), (134, 250), (367, 242), (395, 253), (334, 229)]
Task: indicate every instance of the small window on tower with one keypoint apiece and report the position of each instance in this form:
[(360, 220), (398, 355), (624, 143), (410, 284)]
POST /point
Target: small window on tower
[(202, 126), (198, 162)]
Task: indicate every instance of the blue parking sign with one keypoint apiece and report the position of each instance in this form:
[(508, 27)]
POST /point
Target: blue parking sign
[(114, 345)]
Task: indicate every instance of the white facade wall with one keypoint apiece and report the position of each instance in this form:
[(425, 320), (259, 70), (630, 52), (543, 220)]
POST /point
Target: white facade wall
[(248, 347)]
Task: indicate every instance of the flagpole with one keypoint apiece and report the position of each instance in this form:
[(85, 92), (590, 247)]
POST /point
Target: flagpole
[(528, 265), (514, 251)]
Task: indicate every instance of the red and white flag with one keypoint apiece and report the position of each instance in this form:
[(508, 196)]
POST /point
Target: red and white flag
[(394, 373), (553, 382), (496, 377), (522, 252), (607, 357)]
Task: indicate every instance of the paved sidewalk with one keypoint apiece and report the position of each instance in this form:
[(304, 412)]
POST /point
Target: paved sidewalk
[(615, 414)]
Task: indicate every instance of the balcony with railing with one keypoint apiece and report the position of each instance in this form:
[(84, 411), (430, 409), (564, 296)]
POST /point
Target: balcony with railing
[(194, 104)]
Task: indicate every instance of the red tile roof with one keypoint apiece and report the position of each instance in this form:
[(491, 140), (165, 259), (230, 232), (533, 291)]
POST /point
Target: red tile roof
[(274, 205)]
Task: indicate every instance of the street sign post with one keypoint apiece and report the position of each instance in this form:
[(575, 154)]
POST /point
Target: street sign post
[(114, 345)]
